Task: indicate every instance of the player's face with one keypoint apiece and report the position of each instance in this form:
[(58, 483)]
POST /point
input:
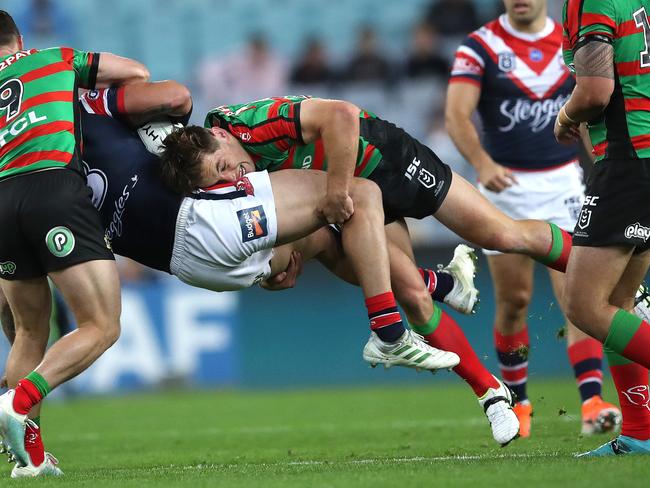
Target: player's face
[(525, 11), (228, 163)]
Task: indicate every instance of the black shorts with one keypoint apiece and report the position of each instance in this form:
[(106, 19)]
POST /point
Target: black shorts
[(48, 223), (616, 211), (413, 180)]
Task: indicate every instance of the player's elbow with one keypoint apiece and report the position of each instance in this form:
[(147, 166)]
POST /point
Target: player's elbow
[(140, 73), (344, 112), (180, 98)]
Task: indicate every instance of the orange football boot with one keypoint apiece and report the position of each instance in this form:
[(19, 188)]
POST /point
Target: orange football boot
[(598, 416), (524, 412)]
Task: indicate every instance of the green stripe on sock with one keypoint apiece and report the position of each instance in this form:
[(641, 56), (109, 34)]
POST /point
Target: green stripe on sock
[(614, 358), (431, 325), (556, 245), (623, 327), (39, 382)]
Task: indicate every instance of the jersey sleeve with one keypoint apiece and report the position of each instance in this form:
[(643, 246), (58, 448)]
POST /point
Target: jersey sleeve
[(84, 63), (584, 20), (469, 63), (272, 122), (106, 101)]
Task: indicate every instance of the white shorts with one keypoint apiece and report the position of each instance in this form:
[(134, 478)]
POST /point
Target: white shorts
[(224, 241), (554, 196)]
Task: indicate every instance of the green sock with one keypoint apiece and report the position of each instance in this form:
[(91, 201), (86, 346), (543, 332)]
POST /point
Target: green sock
[(39, 382), (432, 323)]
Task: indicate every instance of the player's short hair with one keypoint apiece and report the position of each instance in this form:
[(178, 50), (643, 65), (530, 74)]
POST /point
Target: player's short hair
[(183, 151), (9, 32)]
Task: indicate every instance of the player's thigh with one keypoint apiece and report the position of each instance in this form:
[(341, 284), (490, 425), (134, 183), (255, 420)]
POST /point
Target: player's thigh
[(92, 291), (512, 278), (29, 302), (297, 195), (470, 215), (626, 288)]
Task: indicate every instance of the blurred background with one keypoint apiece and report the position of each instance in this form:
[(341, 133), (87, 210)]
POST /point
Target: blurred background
[(389, 56)]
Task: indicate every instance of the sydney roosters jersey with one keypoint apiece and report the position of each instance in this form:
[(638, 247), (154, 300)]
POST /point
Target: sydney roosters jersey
[(524, 83)]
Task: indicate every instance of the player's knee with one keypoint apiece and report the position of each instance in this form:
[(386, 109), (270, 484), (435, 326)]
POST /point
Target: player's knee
[(110, 333), (366, 194), (514, 305), (416, 302), (577, 311)]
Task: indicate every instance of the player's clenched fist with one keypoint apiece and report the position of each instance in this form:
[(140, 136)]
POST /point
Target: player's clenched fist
[(337, 208)]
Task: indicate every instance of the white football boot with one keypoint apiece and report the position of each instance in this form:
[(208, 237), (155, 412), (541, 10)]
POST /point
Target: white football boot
[(642, 302), (410, 350), (463, 297), (12, 429), (49, 467), (497, 404)]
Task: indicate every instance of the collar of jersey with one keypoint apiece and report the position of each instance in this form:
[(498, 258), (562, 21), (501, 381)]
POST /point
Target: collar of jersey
[(525, 36)]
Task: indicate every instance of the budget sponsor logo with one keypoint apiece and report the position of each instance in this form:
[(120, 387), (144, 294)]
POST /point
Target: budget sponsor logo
[(638, 395), (253, 223)]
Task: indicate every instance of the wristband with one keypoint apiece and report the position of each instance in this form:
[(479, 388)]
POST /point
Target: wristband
[(571, 123)]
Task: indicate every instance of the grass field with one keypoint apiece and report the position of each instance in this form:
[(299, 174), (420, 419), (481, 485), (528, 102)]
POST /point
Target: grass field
[(412, 436)]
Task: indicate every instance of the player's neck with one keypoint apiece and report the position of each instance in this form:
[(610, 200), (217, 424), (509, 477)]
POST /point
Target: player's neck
[(537, 25)]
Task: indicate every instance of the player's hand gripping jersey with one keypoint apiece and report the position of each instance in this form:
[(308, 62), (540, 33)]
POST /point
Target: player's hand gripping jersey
[(413, 180), (523, 84), (39, 110), (623, 130)]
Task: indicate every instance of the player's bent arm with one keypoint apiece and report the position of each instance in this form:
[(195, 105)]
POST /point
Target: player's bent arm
[(336, 123), (594, 66), (146, 101), (117, 70), (462, 100)]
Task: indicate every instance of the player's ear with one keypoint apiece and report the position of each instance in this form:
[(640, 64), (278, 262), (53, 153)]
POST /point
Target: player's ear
[(218, 132)]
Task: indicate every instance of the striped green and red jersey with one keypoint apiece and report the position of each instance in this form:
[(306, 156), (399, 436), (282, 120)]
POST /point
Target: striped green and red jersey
[(623, 130), (269, 130), (38, 107)]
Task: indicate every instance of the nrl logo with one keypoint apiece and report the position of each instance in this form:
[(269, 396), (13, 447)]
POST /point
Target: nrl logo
[(8, 267), (506, 62)]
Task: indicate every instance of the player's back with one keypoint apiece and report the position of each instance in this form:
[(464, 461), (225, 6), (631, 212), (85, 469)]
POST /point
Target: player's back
[(623, 130), (139, 213), (38, 128)]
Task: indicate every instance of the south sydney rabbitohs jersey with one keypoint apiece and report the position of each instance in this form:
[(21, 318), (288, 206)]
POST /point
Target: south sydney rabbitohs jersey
[(138, 212), (524, 83)]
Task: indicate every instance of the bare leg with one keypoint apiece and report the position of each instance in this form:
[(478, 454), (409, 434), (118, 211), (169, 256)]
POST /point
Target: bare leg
[(92, 291), (470, 215)]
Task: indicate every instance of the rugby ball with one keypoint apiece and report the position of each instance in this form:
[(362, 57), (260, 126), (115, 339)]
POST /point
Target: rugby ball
[(153, 134)]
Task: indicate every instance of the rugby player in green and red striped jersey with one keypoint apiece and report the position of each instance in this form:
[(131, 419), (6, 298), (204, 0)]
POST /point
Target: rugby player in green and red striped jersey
[(48, 227), (336, 136), (607, 45)]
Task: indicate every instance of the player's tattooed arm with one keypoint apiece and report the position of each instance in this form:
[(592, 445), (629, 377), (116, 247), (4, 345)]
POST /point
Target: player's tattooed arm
[(594, 65), (595, 59), (144, 102)]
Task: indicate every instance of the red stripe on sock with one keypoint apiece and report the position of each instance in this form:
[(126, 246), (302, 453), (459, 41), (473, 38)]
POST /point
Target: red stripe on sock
[(561, 262), (632, 387), (450, 337), (585, 349), (384, 320), (638, 349), (380, 302), (34, 445), (512, 342), (510, 376)]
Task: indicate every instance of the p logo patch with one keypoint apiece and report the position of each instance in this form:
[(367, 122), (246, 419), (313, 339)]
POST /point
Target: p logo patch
[(253, 223), (60, 241)]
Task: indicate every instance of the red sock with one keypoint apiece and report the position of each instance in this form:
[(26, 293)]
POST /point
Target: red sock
[(512, 351), (34, 445), (26, 396), (586, 358), (385, 319), (557, 255), (448, 336), (631, 381)]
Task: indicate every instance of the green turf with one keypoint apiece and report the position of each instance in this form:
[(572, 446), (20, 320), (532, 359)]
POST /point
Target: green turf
[(413, 436)]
